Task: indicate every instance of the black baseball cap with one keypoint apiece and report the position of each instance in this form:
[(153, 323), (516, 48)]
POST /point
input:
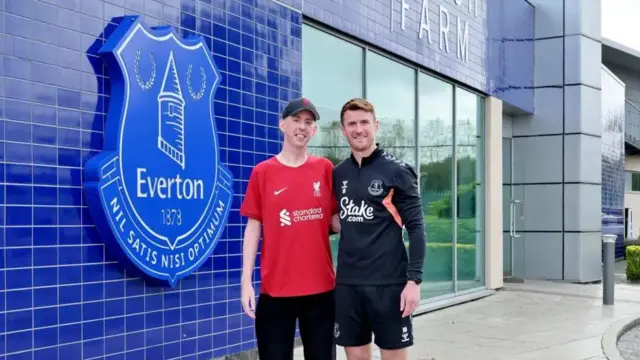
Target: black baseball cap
[(296, 105)]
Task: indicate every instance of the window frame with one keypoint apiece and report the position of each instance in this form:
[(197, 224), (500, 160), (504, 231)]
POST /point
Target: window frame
[(482, 132), (631, 177), (457, 86)]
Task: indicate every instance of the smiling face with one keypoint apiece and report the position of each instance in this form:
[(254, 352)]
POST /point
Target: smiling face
[(359, 124), (298, 129)]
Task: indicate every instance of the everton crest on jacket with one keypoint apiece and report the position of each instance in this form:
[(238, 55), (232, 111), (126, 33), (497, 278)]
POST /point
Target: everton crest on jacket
[(376, 200)]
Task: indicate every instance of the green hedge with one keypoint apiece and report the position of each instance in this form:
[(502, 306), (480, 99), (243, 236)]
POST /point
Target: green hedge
[(442, 207), (440, 230), (439, 260), (633, 262)]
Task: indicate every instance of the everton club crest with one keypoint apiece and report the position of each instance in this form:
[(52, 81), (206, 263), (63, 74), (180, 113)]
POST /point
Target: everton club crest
[(158, 190)]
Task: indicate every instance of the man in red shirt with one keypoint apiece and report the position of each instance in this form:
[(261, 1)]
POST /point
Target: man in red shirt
[(290, 197)]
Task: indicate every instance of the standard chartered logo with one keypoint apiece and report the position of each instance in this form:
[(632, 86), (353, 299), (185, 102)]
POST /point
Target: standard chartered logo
[(355, 213), (287, 218)]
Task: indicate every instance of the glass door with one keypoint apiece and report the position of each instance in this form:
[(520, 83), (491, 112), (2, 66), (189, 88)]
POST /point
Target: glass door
[(512, 217), (507, 177)]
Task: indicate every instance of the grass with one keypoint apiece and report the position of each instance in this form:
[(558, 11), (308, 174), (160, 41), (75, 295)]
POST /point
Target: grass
[(439, 252)]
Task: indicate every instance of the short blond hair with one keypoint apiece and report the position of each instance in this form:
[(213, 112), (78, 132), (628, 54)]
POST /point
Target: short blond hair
[(356, 104)]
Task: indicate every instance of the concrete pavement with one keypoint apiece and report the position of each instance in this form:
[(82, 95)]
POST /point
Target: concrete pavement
[(534, 320)]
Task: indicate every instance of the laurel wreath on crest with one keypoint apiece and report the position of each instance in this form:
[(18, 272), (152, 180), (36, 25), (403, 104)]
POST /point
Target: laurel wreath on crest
[(145, 85), (197, 96)]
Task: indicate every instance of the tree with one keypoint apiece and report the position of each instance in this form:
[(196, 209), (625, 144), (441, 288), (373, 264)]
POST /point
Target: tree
[(392, 134), (331, 136)]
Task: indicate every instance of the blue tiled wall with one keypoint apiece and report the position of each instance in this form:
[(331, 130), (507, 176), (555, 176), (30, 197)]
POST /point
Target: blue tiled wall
[(613, 121), (500, 59), (61, 295)]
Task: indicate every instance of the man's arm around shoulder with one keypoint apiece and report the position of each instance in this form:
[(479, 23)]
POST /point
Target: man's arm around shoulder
[(335, 219)]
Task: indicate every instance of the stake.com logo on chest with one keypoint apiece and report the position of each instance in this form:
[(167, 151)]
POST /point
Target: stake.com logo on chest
[(352, 212)]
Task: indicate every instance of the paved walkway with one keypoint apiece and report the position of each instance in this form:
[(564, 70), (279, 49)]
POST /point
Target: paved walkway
[(629, 344), (621, 271), (535, 320)]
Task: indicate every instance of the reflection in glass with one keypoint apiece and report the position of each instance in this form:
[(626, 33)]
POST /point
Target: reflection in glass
[(400, 153), (469, 217), (331, 74), (391, 89), (435, 127)]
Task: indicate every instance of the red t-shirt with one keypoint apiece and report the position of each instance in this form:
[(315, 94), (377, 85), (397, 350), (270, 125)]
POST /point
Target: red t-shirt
[(294, 205)]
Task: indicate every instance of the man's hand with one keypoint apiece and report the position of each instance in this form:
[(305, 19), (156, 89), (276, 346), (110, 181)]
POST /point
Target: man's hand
[(335, 223), (410, 298), (248, 297)]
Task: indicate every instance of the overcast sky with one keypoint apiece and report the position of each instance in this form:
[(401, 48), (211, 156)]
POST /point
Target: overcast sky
[(620, 22)]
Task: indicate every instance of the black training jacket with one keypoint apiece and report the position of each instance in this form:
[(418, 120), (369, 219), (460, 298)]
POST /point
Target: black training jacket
[(375, 201)]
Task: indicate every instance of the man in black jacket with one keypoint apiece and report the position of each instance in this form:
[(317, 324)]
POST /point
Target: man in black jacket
[(377, 282)]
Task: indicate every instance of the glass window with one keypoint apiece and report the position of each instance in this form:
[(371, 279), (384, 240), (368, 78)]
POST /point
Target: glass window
[(435, 129), (635, 181), (391, 89), (332, 73), (469, 214), (443, 140)]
